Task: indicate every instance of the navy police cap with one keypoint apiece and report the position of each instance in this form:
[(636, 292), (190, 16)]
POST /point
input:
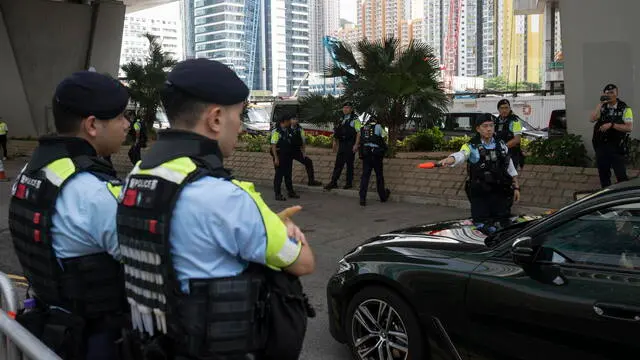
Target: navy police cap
[(87, 93), (610, 87), (208, 80)]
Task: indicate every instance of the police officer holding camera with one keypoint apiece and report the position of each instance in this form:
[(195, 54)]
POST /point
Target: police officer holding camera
[(613, 120)]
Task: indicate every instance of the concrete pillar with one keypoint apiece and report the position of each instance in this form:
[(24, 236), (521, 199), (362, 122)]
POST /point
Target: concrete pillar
[(44, 41), (601, 45)]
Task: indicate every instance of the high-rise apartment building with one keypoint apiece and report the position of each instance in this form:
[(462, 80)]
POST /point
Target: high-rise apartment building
[(265, 41), (135, 46), (382, 19), (520, 39), (324, 19)]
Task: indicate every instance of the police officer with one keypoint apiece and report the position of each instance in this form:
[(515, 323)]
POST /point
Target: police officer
[(136, 146), (346, 140), (509, 131), (192, 237), (492, 185), (4, 133), (62, 218), (613, 120), (372, 150), (299, 143), (282, 154)]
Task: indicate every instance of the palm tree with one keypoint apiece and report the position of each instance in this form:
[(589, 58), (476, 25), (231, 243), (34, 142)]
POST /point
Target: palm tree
[(320, 110), (393, 83), (146, 80)]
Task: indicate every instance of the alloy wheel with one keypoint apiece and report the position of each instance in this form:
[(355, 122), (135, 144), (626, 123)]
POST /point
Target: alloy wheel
[(378, 332)]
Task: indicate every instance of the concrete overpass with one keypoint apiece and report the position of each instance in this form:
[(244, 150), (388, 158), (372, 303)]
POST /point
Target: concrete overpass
[(42, 41), (601, 45)]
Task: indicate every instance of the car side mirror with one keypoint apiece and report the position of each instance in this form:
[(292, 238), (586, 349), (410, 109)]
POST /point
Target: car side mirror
[(523, 251)]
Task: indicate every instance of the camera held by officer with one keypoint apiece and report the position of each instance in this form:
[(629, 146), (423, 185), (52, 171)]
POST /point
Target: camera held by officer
[(492, 183), (372, 150), (613, 120)]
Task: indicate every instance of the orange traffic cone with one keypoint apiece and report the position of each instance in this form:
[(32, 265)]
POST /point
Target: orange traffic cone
[(3, 175)]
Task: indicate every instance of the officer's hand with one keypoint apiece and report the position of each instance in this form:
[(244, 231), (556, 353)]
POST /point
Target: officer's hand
[(445, 162), (276, 162), (516, 195), (293, 231), (605, 127), (355, 148), (289, 212)]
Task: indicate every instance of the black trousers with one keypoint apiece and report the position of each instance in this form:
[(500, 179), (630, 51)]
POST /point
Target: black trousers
[(3, 144), (607, 157), (372, 163), (135, 153), (308, 164), (488, 206), (283, 171), (344, 156)]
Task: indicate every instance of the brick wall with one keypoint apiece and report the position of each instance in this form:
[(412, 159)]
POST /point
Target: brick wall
[(541, 185)]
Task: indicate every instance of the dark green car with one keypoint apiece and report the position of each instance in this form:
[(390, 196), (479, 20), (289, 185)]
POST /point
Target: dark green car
[(560, 286)]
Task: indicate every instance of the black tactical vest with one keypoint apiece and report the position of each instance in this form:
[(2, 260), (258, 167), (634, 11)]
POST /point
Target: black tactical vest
[(284, 144), (368, 136), (219, 316), (491, 170), (611, 136), (296, 137), (90, 286), (504, 134), (345, 132)]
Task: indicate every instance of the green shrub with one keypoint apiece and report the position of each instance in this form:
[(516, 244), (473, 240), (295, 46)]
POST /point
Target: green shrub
[(568, 150), (456, 142), (424, 140), (524, 144), (254, 143), (322, 141), (633, 157)]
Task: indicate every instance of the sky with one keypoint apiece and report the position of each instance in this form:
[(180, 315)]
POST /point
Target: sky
[(172, 10)]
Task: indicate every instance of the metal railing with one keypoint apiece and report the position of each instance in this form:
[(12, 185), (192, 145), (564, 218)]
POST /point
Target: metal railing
[(16, 342)]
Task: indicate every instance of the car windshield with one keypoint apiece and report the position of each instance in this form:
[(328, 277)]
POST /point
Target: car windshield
[(258, 115), (504, 233), (527, 126)]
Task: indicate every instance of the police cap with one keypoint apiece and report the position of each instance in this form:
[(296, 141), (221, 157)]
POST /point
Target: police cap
[(209, 81), (348, 103), (483, 118), (87, 93), (610, 87)]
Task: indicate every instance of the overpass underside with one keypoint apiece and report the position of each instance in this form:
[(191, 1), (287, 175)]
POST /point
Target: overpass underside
[(601, 45), (41, 42)]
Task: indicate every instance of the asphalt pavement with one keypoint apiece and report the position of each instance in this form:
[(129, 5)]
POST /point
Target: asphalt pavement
[(333, 225)]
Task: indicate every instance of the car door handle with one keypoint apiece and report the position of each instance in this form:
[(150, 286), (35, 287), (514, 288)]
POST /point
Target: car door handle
[(618, 311)]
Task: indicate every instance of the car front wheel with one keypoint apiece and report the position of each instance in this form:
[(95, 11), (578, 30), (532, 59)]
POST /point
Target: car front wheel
[(380, 325)]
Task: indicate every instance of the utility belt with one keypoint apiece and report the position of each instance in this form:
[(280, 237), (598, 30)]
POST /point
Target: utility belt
[(366, 151), (478, 187), (66, 333)]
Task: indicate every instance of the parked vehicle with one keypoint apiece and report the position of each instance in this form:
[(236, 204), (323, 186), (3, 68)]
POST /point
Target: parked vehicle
[(559, 286), (558, 123), (256, 121), (291, 105), (461, 124)]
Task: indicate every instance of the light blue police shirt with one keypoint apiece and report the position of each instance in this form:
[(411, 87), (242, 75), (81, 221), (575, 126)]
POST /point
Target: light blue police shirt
[(85, 219), (216, 230), (377, 130)]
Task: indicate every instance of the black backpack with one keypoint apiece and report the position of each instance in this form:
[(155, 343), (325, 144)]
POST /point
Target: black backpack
[(287, 319)]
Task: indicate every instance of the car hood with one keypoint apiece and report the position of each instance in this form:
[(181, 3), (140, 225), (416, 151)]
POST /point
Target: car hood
[(448, 236), (536, 133)]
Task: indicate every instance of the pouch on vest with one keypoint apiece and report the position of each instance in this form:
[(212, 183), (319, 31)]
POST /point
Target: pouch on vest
[(61, 331), (287, 316)]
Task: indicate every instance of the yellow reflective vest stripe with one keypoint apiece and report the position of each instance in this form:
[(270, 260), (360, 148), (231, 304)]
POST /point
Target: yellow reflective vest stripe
[(280, 251), (3, 128), (60, 170)]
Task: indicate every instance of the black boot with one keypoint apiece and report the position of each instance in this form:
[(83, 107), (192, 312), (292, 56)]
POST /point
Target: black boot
[(293, 195), (279, 197), (314, 183)]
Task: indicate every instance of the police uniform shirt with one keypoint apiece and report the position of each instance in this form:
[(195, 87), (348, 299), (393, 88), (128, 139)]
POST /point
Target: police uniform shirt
[(85, 219), (377, 130), (472, 154), (136, 126), (4, 129), (217, 230)]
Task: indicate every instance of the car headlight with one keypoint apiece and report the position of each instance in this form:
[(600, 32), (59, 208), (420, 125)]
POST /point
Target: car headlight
[(343, 266)]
